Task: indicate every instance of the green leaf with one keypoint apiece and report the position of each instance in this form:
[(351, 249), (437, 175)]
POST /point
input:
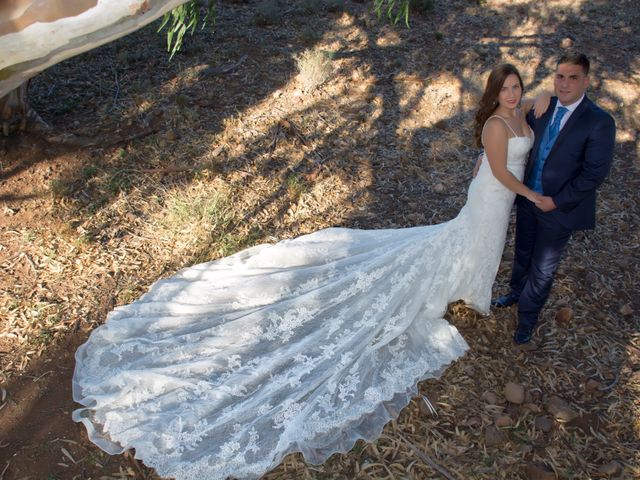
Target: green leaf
[(183, 19)]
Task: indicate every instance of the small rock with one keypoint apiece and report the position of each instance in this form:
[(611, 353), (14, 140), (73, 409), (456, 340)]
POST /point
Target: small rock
[(623, 263), (439, 188), (493, 436), (526, 449), (218, 150), (469, 371), (474, 422), (171, 135), (564, 316), (601, 316), (592, 385), (442, 124), (514, 392), (591, 278), (532, 407), (503, 421), (513, 410), (530, 346), (587, 422), (536, 471), (560, 409), (611, 469), (490, 397), (566, 42), (544, 423), (626, 310), (536, 396)]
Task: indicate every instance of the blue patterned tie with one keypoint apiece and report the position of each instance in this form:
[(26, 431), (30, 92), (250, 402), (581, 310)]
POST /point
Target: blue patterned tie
[(555, 126)]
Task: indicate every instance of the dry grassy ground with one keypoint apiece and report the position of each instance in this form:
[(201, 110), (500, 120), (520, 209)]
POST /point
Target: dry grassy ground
[(156, 165)]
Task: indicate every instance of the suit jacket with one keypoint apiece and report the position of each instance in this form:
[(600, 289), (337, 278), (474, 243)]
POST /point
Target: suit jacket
[(578, 162)]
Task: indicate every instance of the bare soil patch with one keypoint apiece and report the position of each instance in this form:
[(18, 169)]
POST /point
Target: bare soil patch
[(156, 165)]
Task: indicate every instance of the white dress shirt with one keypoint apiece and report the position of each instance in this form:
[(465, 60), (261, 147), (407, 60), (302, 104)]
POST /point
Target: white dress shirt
[(571, 109)]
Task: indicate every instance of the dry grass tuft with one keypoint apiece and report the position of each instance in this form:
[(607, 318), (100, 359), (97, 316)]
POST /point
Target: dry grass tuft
[(314, 67)]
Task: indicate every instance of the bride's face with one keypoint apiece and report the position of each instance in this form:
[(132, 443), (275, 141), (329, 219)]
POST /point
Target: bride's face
[(510, 93)]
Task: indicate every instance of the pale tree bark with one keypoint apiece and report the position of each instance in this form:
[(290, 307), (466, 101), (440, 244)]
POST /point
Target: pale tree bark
[(35, 34)]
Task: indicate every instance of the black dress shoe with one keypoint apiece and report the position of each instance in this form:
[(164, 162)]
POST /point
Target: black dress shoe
[(505, 300), (522, 335)]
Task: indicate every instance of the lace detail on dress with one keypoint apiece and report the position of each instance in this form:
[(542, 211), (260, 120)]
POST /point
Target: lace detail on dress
[(306, 345)]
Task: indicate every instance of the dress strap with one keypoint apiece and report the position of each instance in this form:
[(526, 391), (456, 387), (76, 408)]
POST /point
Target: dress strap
[(506, 123)]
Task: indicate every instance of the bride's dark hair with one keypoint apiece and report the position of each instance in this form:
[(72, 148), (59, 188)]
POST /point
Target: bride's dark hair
[(489, 100)]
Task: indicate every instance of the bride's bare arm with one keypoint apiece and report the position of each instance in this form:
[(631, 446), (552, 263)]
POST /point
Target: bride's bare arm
[(495, 139)]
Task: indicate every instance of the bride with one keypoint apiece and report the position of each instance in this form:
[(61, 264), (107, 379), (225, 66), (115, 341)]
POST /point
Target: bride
[(306, 345)]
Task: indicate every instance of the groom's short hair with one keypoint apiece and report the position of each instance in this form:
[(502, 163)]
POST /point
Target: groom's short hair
[(575, 58)]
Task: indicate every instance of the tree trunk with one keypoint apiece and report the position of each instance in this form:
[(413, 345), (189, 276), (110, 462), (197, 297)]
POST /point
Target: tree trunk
[(14, 109), (35, 34)]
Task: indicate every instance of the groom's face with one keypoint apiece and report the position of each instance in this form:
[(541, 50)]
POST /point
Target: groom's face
[(570, 83)]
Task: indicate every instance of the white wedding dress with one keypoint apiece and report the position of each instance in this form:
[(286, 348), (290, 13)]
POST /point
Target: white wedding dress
[(302, 346)]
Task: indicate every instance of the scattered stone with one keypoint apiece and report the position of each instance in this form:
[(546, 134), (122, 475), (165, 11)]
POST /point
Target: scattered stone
[(218, 150), (626, 310), (513, 410), (474, 422), (532, 407), (587, 423), (530, 346), (528, 398), (623, 263), (591, 278), (171, 135), (610, 469), (439, 188), (514, 392), (537, 471), (503, 421), (490, 397), (564, 316), (544, 423), (560, 409), (442, 124), (493, 436), (469, 370), (592, 385), (566, 42)]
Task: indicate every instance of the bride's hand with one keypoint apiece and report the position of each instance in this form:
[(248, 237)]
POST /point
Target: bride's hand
[(533, 197), (541, 104)]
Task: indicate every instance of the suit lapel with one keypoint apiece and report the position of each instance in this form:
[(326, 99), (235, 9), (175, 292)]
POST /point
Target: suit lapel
[(580, 109)]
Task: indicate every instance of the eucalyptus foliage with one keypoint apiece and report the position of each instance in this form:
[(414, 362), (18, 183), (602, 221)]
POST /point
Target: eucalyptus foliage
[(394, 10), (185, 18)]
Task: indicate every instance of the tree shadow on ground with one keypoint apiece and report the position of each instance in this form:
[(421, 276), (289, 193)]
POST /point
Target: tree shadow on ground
[(390, 163)]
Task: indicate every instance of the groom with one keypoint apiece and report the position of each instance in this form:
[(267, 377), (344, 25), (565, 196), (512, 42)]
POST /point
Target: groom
[(570, 158)]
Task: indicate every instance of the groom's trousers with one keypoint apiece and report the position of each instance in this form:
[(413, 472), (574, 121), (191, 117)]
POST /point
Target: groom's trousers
[(540, 242)]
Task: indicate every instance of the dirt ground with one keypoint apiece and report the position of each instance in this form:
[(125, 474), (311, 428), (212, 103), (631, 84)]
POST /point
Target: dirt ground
[(152, 165)]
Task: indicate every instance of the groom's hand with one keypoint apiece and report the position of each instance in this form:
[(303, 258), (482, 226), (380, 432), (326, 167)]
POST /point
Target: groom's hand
[(546, 204)]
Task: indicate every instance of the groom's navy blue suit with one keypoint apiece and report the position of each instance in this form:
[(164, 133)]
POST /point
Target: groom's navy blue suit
[(577, 164)]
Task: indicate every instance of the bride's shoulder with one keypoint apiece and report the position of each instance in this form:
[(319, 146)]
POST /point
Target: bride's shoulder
[(494, 129), (495, 124)]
